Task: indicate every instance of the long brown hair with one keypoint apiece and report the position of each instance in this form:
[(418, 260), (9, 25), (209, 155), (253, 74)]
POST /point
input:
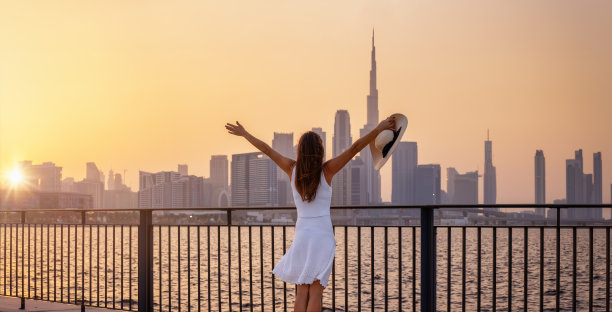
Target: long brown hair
[(309, 165)]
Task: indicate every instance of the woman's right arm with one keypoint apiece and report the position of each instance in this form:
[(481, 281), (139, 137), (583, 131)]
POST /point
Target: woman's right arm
[(286, 164), (332, 166)]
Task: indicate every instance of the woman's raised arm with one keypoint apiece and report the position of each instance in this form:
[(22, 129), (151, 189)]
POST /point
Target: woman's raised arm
[(332, 166), (286, 164)]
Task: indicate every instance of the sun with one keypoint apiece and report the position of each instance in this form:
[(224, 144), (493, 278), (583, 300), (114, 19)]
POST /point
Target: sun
[(15, 176)]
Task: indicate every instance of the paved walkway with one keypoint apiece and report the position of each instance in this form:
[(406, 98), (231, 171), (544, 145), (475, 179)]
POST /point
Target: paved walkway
[(10, 304)]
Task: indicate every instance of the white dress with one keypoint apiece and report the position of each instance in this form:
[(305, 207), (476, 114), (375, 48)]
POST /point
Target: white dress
[(311, 254)]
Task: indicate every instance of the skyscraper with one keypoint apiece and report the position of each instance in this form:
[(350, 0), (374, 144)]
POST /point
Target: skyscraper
[(427, 184), (283, 143), (462, 188), (372, 175), (219, 171), (342, 132), (341, 141), (183, 170), (403, 169), (254, 180), (219, 181), (46, 177), (597, 184), (540, 181), (490, 183), (356, 178)]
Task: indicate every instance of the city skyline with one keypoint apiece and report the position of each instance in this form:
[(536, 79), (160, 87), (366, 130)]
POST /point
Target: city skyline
[(104, 102)]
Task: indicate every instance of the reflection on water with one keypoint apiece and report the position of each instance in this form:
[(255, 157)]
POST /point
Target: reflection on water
[(212, 261)]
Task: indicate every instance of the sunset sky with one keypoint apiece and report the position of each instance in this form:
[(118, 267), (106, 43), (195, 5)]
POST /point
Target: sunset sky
[(145, 85)]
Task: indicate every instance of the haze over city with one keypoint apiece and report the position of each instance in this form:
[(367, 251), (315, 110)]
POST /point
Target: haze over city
[(149, 90)]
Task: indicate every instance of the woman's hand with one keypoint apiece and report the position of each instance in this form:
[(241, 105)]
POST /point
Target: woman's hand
[(237, 129), (387, 124)]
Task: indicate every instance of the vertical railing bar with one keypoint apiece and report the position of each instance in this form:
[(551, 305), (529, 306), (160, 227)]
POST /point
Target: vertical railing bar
[(178, 265), (121, 247), (239, 267), (284, 283), (414, 268), (229, 258), (199, 269), (399, 268), (61, 262), (90, 260), (30, 264), (448, 268), (494, 266), (159, 255), (115, 267), (463, 243), (130, 264), (558, 260), (574, 256), (48, 263), (250, 269), (23, 260), (541, 269), (333, 276), (76, 263), (98, 263), (590, 268), (346, 307), (11, 262), (273, 262), (169, 268), (359, 270), (479, 266), (68, 255), (261, 266), (372, 265), (525, 269), (189, 268), (54, 261), (4, 261), (83, 261), (219, 265), (386, 271), (608, 269), (208, 267), (509, 268)]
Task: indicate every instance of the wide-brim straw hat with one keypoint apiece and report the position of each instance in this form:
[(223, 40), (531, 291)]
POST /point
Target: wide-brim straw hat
[(385, 143)]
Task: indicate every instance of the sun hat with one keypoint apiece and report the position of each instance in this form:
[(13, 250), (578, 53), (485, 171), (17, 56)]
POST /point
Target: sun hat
[(385, 143)]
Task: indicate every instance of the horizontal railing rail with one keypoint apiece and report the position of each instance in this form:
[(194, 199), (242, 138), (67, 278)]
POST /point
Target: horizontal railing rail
[(213, 259)]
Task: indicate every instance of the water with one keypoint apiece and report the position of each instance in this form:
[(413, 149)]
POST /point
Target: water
[(55, 265)]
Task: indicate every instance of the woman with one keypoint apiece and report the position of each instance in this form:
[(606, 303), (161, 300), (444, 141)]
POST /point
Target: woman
[(308, 262)]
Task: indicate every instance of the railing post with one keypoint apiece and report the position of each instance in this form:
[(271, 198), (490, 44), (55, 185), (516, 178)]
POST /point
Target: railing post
[(145, 261), (428, 261), (22, 305)]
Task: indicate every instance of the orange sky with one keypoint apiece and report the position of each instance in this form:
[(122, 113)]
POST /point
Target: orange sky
[(144, 86)]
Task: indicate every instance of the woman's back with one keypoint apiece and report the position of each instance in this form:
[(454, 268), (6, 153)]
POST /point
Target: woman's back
[(319, 206)]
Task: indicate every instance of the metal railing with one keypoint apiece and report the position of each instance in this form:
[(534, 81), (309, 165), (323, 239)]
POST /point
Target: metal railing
[(215, 259)]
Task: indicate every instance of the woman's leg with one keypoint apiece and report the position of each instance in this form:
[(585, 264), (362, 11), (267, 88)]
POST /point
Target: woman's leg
[(301, 299), (315, 294)]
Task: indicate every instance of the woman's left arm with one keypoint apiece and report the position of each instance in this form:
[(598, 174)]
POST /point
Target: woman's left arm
[(286, 164)]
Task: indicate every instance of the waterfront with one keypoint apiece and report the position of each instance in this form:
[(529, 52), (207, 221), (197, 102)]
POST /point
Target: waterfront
[(110, 263)]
